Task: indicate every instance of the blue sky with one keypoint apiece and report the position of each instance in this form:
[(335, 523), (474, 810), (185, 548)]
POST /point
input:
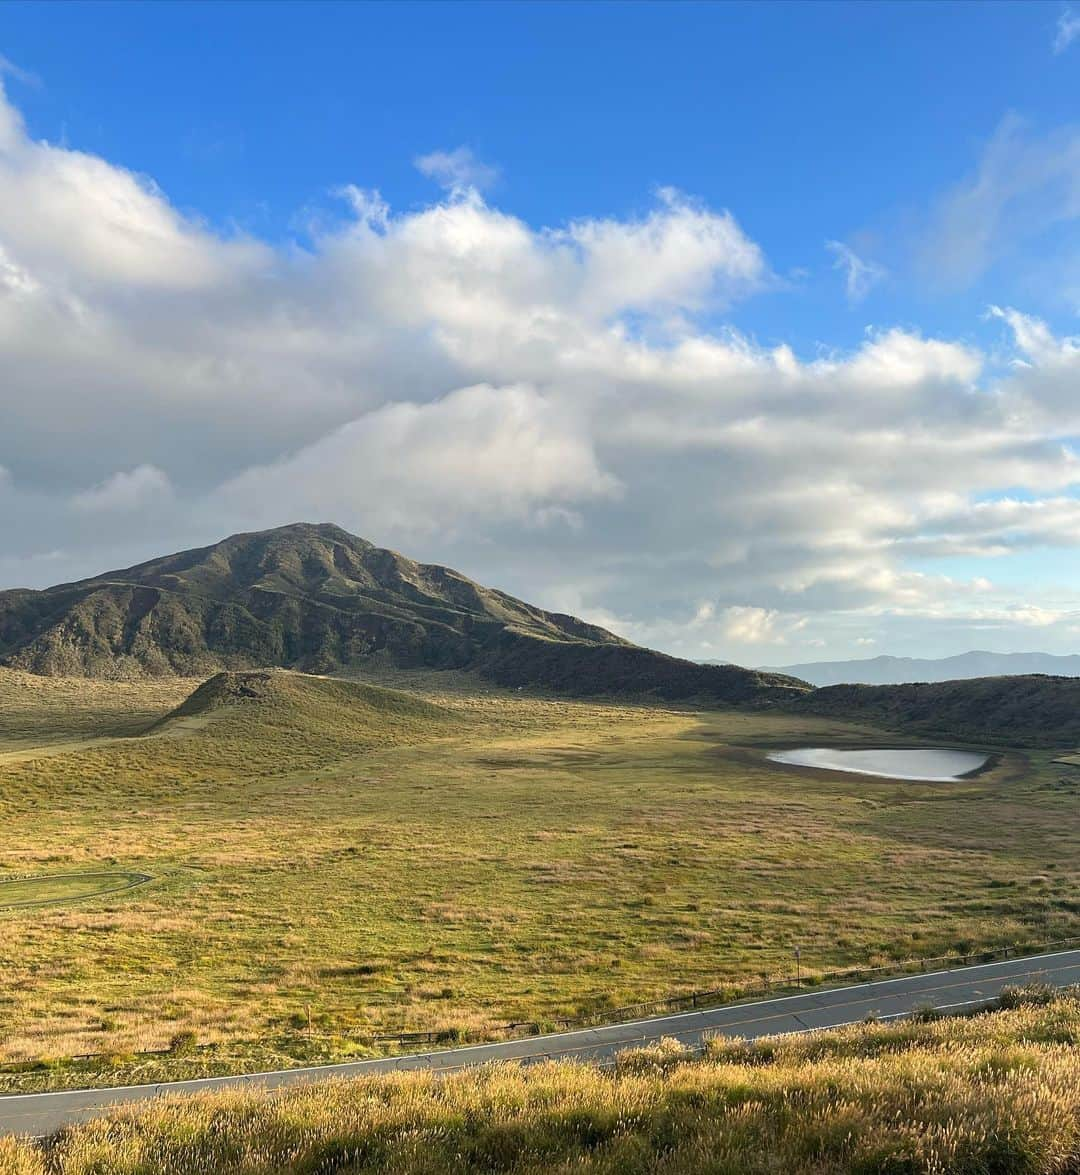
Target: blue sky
[(891, 172), (811, 122)]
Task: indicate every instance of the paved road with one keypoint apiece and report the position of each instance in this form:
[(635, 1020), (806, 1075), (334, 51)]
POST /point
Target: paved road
[(41, 1113)]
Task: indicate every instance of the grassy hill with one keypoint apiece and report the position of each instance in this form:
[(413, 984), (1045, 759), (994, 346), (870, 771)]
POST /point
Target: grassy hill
[(95, 736), (275, 707), (1022, 711), (317, 599), (997, 1093)]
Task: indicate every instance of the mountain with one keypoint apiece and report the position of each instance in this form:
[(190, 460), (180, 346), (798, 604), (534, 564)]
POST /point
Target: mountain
[(898, 670), (318, 599), (1025, 711)]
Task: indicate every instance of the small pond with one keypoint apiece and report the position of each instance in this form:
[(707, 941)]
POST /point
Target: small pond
[(925, 764)]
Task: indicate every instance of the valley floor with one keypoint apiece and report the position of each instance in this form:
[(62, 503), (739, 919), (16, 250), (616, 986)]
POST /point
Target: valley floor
[(325, 874)]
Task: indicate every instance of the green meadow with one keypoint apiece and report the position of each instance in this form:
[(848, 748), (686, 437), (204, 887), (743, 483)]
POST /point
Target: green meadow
[(333, 862)]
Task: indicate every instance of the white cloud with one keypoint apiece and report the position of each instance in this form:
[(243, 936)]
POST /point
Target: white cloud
[(84, 225), (371, 210), (8, 68), (14, 280), (680, 256), (556, 410), (143, 486), (750, 625), (1024, 185), (457, 170), (1068, 29), (860, 275), (1035, 340), (476, 455)]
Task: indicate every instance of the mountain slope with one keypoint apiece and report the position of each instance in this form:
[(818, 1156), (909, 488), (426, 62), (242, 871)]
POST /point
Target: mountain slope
[(886, 670), (315, 598), (1030, 710)]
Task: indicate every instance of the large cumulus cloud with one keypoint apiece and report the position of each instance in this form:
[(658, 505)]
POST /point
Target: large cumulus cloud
[(541, 406)]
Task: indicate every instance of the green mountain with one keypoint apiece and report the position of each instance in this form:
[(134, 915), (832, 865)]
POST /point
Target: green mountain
[(1031, 710), (317, 599)]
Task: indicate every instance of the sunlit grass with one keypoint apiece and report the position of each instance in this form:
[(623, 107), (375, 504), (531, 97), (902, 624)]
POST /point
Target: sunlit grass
[(996, 1093), (65, 887), (326, 873)]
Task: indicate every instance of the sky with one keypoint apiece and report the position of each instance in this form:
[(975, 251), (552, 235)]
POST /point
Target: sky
[(749, 331)]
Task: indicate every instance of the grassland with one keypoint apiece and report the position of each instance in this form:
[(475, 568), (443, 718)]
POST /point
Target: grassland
[(65, 887), (998, 1094), (332, 864)]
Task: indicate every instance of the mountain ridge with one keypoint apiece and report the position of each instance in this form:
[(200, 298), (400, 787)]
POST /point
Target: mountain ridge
[(311, 596), (1029, 710), (890, 670)]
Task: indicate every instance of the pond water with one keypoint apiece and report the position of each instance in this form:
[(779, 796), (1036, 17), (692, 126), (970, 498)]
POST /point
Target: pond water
[(926, 764)]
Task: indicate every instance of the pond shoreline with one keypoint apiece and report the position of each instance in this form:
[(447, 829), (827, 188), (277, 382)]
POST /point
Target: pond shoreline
[(907, 764)]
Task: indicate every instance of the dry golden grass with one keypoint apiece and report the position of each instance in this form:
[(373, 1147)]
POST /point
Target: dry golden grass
[(40, 710), (369, 868), (998, 1094)]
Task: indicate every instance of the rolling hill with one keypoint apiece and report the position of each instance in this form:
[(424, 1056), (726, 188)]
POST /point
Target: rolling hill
[(318, 599), (267, 717), (1032, 710)]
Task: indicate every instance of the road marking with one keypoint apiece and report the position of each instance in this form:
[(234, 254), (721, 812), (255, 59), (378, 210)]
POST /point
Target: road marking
[(602, 1040)]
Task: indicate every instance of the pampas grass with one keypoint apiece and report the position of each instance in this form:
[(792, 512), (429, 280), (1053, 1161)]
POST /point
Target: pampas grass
[(996, 1093)]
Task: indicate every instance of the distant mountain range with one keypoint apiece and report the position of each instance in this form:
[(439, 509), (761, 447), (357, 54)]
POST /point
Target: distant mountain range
[(900, 670), (318, 599)]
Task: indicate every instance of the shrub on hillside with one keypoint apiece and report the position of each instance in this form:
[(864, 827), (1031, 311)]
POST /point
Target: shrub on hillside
[(183, 1043)]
